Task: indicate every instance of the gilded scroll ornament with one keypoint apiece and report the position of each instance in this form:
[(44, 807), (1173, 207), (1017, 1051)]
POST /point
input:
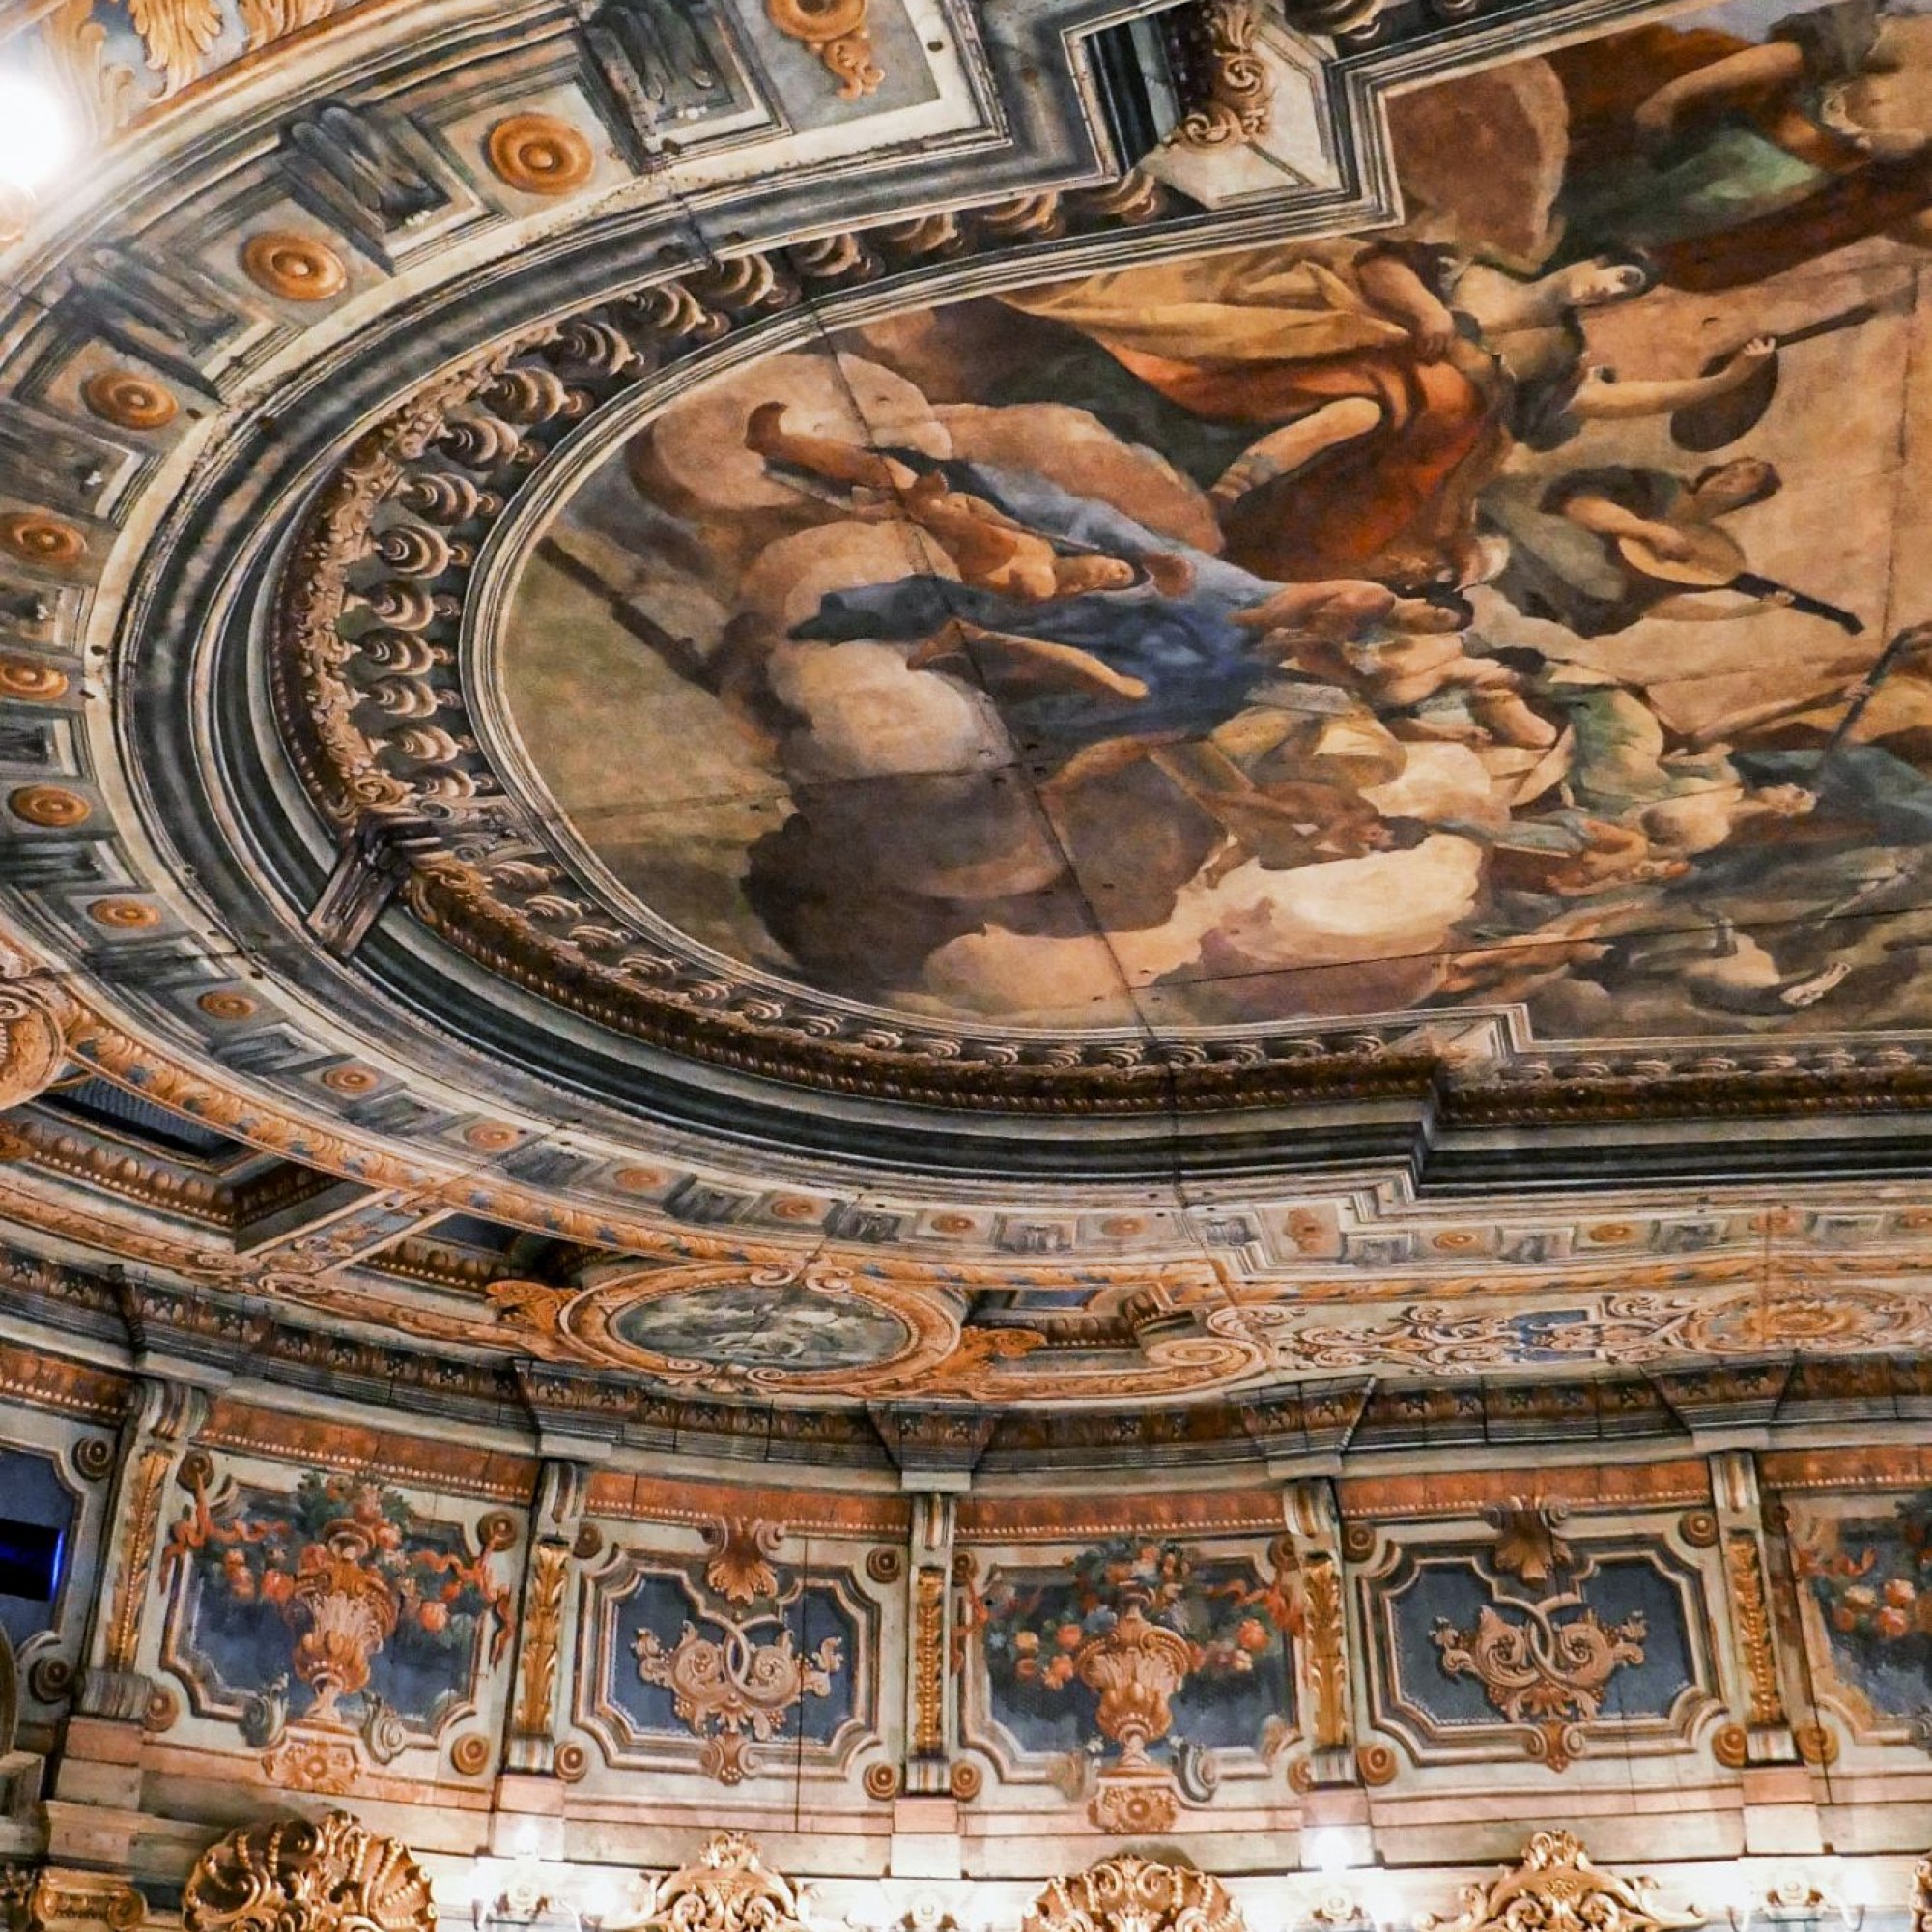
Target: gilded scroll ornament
[(1558, 1888), (1127, 1894), (726, 1888), (55, 1898), (1546, 1675), (332, 1876), (33, 1044), (737, 1687), (1234, 90), (835, 31), (542, 1632)]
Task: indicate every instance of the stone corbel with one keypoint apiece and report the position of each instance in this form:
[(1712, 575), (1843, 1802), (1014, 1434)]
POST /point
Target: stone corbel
[(1309, 1557), (34, 1016), (1762, 1732)]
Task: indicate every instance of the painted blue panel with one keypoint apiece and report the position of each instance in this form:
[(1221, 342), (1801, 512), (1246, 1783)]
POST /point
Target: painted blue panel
[(669, 1605), (31, 1492), (1453, 1593)]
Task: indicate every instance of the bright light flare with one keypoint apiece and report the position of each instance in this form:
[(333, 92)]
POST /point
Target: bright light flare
[(38, 137), (1329, 1853)]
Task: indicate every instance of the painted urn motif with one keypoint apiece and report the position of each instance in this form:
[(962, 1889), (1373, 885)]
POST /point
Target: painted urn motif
[(1134, 1668), (345, 1610)]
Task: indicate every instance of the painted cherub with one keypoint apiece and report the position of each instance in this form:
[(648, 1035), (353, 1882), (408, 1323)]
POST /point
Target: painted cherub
[(1396, 652)]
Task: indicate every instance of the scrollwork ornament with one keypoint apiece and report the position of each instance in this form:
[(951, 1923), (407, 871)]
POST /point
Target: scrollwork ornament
[(1127, 1894), (727, 1887), (32, 1042), (1235, 89), (294, 1876), (835, 31), (1558, 1888), (1545, 1675)]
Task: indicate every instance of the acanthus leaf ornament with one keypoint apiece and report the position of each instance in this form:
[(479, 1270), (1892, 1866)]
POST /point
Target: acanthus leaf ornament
[(1127, 1894), (293, 1876), (539, 1653), (739, 1569), (835, 31), (1541, 1673), (727, 1887), (1557, 1887), (33, 1039), (1232, 87), (177, 35)]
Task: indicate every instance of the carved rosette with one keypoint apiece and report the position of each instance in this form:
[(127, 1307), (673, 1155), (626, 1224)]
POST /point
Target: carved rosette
[(332, 1876), (1127, 1894), (1558, 1888)]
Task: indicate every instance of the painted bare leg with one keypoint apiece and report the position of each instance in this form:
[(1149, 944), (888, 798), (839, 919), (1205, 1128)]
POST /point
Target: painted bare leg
[(1032, 663), (766, 435), (1282, 451)]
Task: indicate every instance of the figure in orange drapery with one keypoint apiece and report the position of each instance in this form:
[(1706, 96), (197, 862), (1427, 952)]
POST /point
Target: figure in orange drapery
[(1377, 422)]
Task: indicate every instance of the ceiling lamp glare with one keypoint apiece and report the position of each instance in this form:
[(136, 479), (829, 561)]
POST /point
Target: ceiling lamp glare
[(38, 140)]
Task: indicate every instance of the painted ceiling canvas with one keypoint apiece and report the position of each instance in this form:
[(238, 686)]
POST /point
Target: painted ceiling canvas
[(1502, 609)]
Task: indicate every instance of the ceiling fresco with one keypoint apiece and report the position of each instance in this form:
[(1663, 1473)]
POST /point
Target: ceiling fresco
[(732, 733), (1517, 607)]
